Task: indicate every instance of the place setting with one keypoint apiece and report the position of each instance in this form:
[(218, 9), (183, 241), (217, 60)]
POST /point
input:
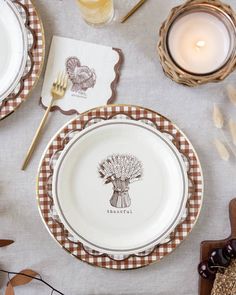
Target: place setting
[(111, 181), (119, 186)]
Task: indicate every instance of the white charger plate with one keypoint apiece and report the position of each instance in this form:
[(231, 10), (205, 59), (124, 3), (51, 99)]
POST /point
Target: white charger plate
[(91, 210), (13, 49)]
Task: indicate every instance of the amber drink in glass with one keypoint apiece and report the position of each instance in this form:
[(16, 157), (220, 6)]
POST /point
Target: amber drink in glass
[(97, 12)]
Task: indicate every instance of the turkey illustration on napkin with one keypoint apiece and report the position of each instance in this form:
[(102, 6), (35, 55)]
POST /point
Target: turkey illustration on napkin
[(93, 72)]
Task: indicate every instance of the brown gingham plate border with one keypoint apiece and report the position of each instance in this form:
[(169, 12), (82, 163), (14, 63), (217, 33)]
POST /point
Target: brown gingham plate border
[(36, 52), (63, 137)]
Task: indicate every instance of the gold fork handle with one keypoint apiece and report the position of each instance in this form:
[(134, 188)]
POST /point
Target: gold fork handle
[(37, 136)]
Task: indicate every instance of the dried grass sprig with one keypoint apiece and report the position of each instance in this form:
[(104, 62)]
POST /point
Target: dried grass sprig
[(218, 117), (222, 150), (231, 91), (232, 128), (221, 147), (230, 146), (24, 277)]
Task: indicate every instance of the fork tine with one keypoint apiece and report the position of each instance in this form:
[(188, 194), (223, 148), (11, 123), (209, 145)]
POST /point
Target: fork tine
[(60, 84), (57, 81), (62, 79), (65, 81)]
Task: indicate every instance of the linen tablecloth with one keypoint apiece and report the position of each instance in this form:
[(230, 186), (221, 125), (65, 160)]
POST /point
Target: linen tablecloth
[(142, 83)]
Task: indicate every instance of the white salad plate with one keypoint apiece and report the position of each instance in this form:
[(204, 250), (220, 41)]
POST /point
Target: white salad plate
[(13, 49), (120, 187)]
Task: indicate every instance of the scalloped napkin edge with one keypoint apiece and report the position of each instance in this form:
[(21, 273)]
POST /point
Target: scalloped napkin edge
[(93, 71)]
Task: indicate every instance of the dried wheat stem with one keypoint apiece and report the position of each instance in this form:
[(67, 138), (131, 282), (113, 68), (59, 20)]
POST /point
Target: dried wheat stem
[(222, 150), (232, 128), (231, 91), (218, 117), (228, 143)]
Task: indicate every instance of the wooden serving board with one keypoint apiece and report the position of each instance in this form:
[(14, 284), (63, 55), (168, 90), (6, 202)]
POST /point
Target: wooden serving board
[(205, 286)]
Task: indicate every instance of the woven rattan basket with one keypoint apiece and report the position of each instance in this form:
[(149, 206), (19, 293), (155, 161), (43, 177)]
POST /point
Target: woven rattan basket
[(171, 69)]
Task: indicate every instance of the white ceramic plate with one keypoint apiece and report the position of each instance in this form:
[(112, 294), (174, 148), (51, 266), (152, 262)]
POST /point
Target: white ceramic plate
[(13, 48), (120, 187)]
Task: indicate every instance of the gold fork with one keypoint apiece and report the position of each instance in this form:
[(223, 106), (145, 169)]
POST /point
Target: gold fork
[(58, 91)]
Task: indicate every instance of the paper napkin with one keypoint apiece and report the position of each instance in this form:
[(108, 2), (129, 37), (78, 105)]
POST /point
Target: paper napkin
[(93, 72)]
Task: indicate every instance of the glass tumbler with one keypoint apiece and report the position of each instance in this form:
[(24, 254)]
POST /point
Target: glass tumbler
[(96, 12)]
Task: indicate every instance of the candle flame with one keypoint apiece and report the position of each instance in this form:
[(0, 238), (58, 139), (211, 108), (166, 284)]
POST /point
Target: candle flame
[(200, 44)]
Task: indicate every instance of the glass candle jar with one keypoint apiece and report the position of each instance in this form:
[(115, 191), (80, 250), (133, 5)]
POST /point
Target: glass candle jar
[(197, 42)]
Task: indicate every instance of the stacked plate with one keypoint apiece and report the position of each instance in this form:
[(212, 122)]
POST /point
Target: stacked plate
[(13, 51), (120, 187), (21, 52)]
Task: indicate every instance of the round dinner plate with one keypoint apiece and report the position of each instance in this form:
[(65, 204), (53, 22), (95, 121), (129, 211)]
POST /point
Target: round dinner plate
[(35, 58), (120, 187), (99, 182), (13, 49)]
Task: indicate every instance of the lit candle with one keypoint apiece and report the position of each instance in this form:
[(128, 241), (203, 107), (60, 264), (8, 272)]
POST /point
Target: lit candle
[(199, 42)]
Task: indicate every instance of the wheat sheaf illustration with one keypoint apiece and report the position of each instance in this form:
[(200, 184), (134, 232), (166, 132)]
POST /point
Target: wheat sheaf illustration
[(82, 77), (121, 170)]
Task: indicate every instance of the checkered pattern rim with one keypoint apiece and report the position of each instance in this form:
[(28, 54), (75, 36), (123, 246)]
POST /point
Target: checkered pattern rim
[(57, 145), (34, 64)]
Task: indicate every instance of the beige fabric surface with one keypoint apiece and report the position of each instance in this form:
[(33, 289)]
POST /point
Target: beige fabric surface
[(143, 83)]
